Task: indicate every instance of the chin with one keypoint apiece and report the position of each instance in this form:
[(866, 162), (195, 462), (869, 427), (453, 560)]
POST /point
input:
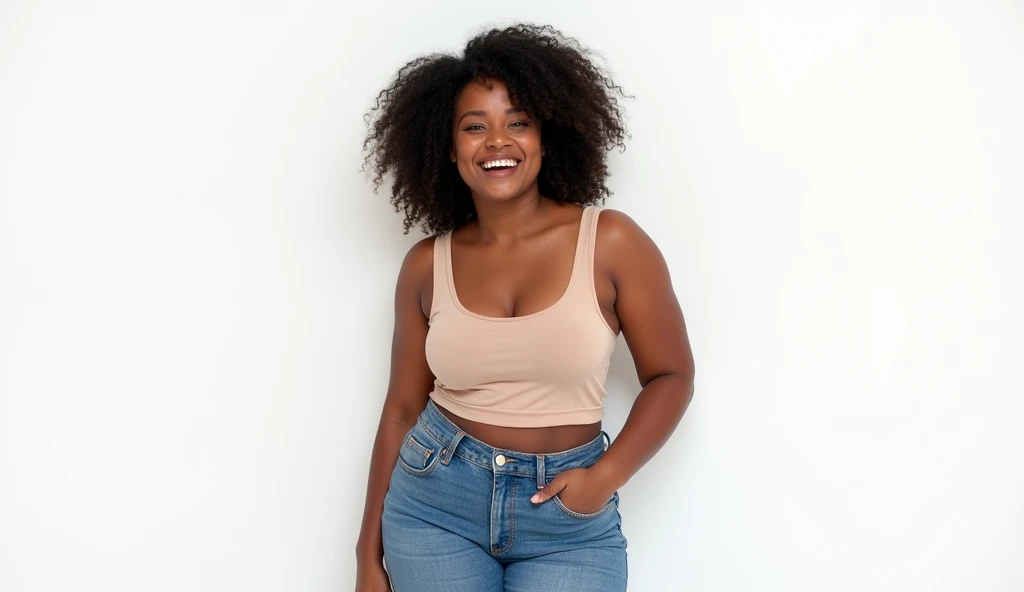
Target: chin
[(501, 197), (497, 196)]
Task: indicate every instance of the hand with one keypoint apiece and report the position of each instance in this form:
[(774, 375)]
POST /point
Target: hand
[(580, 490), (372, 578)]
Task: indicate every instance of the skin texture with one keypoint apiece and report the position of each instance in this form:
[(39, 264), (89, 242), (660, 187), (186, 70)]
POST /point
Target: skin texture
[(514, 259)]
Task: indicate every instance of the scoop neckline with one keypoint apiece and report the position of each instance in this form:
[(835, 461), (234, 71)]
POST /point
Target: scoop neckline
[(565, 294)]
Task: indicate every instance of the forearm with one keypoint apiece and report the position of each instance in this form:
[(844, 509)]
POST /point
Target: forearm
[(654, 416), (390, 430)]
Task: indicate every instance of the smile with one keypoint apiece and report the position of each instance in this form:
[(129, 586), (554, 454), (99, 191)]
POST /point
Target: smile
[(501, 167)]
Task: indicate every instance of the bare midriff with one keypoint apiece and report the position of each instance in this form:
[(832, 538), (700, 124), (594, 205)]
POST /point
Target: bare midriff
[(544, 440)]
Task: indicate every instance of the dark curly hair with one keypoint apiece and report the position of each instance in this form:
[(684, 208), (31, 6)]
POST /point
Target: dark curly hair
[(548, 75)]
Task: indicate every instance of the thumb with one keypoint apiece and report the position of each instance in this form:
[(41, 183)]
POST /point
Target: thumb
[(549, 491)]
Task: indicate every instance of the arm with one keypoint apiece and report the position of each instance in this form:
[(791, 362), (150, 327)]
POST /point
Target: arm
[(409, 384), (652, 323)]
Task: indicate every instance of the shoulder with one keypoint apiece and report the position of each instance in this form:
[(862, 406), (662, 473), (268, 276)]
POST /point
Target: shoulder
[(617, 228), (418, 264), (622, 245), (617, 231), (421, 253)]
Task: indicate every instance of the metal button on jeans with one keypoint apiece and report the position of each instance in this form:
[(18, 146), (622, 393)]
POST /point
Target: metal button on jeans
[(499, 460)]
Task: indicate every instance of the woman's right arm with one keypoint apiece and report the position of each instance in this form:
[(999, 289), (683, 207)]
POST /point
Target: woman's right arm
[(408, 387)]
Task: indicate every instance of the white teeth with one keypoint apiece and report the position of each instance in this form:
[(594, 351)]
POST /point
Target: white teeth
[(494, 163)]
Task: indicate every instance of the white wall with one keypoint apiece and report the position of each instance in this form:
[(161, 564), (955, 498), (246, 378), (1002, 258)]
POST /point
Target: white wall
[(196, 285)]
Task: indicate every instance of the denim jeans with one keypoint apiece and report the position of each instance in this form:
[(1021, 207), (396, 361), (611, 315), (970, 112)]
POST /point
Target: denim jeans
[(458, 518)]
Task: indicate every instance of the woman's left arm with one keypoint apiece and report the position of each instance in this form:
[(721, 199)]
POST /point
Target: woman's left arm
[(652, 324)]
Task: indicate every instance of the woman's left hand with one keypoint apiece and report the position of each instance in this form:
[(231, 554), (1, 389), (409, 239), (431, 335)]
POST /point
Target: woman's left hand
[(581, 490)]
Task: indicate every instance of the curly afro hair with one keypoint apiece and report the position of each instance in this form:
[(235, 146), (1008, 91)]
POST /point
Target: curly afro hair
[(548, 75)]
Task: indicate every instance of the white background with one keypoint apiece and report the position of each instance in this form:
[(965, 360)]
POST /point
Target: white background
[(196, 287)]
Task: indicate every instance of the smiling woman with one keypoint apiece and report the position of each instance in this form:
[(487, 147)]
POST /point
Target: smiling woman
[(490, 470), (545, 79), (497, 141)]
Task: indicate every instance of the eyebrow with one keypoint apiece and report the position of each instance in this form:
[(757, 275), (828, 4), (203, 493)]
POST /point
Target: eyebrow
[(508, 111)]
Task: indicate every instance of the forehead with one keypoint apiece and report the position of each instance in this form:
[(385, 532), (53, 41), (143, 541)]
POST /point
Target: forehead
[(477, 95)]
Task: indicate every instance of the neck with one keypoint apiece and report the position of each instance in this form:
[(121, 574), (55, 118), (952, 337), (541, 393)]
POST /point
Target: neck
[(507, 221)]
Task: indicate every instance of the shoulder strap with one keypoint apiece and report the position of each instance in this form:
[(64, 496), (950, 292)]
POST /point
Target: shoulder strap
[(441, 297), (583, 264), (591, 217)]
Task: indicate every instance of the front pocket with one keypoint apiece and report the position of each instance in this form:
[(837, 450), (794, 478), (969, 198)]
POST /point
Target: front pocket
[(580, 516), (415, 457)]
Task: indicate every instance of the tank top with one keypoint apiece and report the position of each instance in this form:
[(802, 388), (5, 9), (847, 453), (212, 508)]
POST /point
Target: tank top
[(543, 369)]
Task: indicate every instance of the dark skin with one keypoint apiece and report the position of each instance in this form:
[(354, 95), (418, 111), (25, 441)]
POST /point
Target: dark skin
[(513, 260)]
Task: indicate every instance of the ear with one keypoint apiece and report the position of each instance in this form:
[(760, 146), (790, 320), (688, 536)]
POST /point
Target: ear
[(451, 155)]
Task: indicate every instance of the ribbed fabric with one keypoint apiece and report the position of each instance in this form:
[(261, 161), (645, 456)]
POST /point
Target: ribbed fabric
[(543, 369)]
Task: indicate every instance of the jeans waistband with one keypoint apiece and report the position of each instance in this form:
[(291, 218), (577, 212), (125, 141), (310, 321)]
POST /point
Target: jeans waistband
[(502, 460)]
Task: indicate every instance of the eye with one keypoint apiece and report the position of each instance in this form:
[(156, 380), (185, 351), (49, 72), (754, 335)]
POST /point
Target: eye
[(477, 126)]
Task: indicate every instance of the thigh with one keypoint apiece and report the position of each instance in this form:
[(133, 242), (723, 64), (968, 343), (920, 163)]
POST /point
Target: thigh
[(423, 557), (562, 550), (598, 569), (435, 525)]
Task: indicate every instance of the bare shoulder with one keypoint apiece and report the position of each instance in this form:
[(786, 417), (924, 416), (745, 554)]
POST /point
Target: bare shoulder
[(645, 302), (419, 260), (617, 227), (415, 280), (411, 378), (621, 244)]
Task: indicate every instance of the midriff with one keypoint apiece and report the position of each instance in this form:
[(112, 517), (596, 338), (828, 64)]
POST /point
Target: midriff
[(544, 440)]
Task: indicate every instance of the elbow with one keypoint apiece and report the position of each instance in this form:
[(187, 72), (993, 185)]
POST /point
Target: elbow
[(687, 389), (688, 372), (401, 415), (677, 384), (684, 378)]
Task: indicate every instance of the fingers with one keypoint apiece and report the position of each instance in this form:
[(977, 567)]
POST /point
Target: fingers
[(546, 492)]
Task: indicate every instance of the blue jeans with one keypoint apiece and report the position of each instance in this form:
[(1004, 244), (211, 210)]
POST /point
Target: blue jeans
[(458, 518)]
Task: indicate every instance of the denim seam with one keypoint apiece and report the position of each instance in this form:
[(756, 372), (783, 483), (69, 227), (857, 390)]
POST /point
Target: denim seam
[(469, 460), (579, 515), (550, 456), (464, 457), (511, 519), (421, 472), (431, 433), (418, 448)]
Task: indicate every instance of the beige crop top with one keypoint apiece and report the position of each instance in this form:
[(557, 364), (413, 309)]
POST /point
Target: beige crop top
[(543, 369)]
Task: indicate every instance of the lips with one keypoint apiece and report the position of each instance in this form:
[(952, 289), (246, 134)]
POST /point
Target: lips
[(501, 172)]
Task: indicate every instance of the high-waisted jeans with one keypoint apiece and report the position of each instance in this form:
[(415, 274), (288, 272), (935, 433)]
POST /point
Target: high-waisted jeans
[(458, 518)]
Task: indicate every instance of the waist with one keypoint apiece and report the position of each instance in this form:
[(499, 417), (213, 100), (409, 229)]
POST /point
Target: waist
[(519, 462), (548, 406)]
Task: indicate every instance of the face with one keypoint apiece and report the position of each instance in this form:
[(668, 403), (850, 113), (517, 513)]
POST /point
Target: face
[(487, 128)]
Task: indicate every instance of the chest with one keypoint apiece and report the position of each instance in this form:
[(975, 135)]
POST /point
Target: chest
[(555, 347), (496, 284), (518, 282)]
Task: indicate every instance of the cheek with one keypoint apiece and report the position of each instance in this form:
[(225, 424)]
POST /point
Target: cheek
[(467, 170)]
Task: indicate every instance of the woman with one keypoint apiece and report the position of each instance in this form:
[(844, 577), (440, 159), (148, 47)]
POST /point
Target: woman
[(490, 470)]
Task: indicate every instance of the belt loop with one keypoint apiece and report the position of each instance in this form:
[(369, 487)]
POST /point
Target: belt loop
[(446, 454), (540, 471)]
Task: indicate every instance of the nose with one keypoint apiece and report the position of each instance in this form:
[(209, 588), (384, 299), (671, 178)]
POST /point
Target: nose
[(498, 139)]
